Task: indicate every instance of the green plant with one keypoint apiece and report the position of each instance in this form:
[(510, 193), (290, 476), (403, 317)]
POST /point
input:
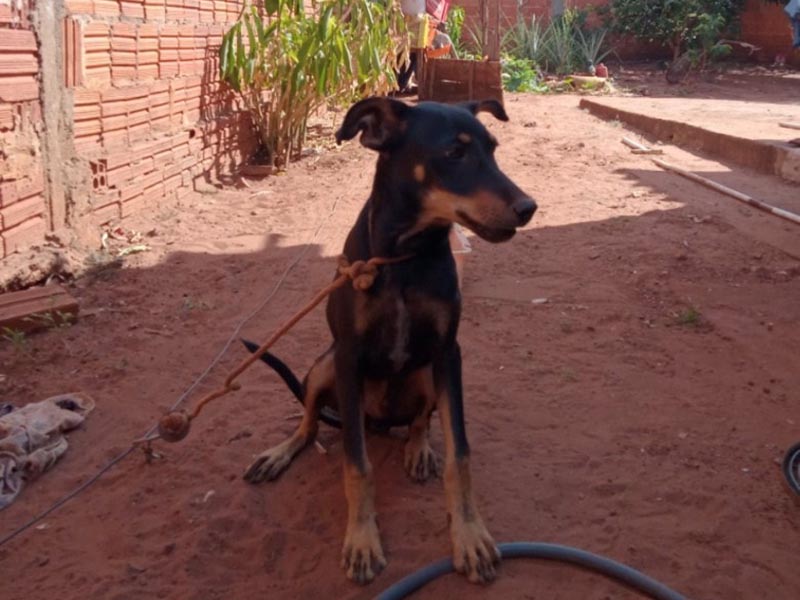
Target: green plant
[(526, 40), (520, 75), (455, 29), (678, 24), (591, 47), (286, 62), (53, 319), (17, 339), (561, 47), (689, 316)]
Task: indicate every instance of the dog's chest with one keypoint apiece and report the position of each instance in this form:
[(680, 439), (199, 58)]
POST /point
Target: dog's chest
[(404, 331)]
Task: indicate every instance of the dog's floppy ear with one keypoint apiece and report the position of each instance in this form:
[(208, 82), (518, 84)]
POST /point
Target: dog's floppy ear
[(493, 107), (381, 122)]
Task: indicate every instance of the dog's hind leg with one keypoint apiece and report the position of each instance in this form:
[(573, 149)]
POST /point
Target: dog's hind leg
[(421, 462), (474, 551), (272, 462), (362, 554)]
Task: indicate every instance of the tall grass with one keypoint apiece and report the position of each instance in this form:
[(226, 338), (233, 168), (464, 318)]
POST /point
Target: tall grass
[(562, 47)]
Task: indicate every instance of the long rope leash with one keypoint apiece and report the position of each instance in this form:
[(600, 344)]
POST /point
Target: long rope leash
[(182, 398), (175, 425)]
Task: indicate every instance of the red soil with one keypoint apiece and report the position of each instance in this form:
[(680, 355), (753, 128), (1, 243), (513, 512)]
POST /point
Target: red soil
[(639, 413)]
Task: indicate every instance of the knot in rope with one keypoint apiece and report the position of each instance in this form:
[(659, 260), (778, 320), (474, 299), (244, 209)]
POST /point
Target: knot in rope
[(361, 272)]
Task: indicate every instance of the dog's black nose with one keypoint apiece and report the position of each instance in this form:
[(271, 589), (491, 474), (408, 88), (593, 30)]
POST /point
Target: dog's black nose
[(524, 208)]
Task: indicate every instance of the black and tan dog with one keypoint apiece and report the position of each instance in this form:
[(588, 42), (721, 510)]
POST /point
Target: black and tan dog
[(395, 358)]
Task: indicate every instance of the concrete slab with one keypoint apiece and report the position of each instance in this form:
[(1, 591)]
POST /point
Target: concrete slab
[(745, 132)]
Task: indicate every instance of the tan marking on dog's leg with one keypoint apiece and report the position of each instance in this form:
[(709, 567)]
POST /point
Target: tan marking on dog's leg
[(272, 462), (419, 173), (421, 462), (474, 551), (362, 554)]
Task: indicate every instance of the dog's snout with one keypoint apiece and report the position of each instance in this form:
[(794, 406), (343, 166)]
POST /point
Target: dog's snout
[(524, 209)]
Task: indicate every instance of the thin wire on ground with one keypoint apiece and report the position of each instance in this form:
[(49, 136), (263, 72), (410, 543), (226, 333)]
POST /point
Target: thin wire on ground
[(123, 455)]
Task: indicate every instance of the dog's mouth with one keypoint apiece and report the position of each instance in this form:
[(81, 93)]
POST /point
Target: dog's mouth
[(494, 235)]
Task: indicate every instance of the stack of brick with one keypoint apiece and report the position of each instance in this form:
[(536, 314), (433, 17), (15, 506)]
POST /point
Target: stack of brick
[(22, 204), (149, 114)]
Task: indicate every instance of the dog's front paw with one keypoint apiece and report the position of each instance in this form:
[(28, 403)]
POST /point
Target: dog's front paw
[(362, 555), (474, 551), (268, 465), (421, 462)]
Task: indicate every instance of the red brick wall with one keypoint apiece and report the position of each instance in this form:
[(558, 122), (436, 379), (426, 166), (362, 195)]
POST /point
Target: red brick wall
[(767, 26), (23, 218), (149, 114), (763, 24)]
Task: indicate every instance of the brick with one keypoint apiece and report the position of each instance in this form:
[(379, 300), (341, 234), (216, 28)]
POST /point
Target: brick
[(106, 8), (147, 71), (26, 234), (31, 186), (73, 53), (19, 309), (116, 177), (93, 60), (6, 116), (132, 9), (85, 112), (21, 211), (106, 214), (8, 192), (18, 40), (18, 64), (99, 75), (18, 88), (85, 7), (87, 127)]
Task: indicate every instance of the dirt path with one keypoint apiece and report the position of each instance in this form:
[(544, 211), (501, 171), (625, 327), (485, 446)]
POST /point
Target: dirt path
[(639, 412)]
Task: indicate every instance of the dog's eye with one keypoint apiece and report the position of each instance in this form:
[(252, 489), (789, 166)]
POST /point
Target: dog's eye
[(456, 152)]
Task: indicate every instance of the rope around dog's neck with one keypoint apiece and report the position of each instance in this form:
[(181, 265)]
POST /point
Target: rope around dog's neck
[(175, 425)]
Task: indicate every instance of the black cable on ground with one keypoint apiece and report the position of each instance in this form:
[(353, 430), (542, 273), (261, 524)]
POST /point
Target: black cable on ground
[(581, 558), (791, 468)]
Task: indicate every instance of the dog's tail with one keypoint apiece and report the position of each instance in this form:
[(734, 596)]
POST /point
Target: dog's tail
[(326, 415)]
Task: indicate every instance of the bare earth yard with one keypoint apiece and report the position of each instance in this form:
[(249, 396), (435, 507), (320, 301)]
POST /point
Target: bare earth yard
[(639, 412)]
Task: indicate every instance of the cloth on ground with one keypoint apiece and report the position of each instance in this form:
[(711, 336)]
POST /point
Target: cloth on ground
[(32, 440)]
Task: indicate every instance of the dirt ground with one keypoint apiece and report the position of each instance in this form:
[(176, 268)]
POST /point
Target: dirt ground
[(639, 412)]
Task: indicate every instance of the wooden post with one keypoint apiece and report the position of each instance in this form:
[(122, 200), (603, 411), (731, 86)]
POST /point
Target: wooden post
[(493, 29)]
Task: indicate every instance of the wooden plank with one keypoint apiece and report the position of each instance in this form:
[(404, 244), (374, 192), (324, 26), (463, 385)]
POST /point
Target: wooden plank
[(37, 308)]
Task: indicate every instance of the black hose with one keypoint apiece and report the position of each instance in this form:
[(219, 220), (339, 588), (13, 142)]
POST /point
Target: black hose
[(791, 468), (587, 560)]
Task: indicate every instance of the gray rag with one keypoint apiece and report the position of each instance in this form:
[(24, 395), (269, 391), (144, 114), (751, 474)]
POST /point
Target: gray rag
[(32, 440)]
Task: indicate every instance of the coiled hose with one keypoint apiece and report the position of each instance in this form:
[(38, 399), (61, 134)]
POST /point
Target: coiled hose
[(599, 564), (791, 468)]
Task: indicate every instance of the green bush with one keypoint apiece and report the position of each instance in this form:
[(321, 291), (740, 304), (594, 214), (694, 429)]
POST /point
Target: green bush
[(680, 25), (520, 75), (285, 64)]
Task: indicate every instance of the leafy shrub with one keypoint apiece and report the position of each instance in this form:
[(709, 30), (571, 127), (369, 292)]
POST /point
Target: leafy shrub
[(695, 25), (285, 64), (520, 75)]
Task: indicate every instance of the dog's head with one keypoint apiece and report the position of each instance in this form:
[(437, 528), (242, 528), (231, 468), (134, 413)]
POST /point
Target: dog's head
[(443, 157)]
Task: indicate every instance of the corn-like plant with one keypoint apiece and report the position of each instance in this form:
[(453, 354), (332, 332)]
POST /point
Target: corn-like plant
[(591, 47), (526, 40), (286, 62)]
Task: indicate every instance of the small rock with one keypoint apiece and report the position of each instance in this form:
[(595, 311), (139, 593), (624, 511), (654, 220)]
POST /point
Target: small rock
[(133, 569), (169, 548), (539, 301)]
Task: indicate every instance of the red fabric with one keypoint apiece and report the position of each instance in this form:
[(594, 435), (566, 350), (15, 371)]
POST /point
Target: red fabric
[(437, 9)]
